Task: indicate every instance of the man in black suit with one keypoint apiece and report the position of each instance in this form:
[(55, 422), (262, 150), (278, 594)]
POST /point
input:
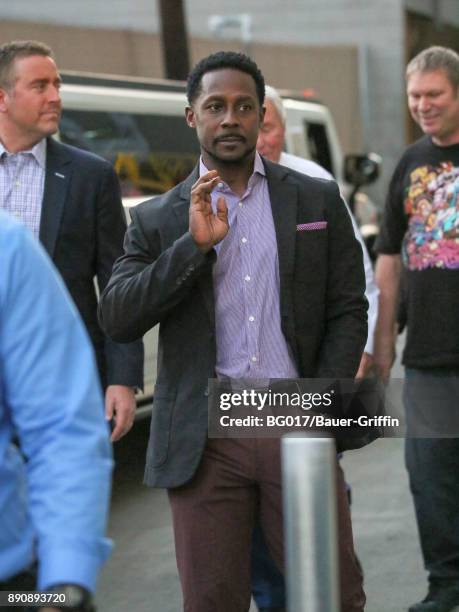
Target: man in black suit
[(252, 271), (70, 200)]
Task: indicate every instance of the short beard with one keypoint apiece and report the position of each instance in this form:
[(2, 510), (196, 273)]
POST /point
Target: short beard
[(241, 161)]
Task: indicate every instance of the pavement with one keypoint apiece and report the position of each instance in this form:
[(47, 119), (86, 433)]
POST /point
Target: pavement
[(384, 526)]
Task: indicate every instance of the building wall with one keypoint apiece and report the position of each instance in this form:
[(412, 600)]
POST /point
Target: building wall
[(329, 65), (375, 28), (443, 11), (93, 50), (137, 15), (331, 71), (142, 15)]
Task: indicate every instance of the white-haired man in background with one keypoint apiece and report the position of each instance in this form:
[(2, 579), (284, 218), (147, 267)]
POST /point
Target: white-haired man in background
[(267, 582)]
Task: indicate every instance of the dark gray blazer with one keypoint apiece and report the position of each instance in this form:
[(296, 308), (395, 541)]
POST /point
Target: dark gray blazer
[(163, 278), (82, 227)]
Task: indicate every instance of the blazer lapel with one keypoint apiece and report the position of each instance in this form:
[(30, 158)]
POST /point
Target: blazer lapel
[(57, 180), (181, 209), (182, 206), (284, 204)]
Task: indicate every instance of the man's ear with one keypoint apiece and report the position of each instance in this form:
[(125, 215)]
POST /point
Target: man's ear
[(3, 96), (189, 116), (262, 114)]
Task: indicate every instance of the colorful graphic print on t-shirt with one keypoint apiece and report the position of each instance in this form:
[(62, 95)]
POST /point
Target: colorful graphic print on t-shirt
[(432, 204)]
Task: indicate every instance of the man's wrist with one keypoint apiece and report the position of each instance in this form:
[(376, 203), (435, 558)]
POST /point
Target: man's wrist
[(134, 388), (204, 248)]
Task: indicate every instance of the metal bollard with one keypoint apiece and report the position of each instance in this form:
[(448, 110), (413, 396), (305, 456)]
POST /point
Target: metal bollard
[(310, 523)]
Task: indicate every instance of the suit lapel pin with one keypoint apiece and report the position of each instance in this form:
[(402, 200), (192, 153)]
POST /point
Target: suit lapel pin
[(59, 175)]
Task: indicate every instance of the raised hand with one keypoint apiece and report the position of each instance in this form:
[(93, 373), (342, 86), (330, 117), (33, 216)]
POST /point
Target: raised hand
[(206, 227)]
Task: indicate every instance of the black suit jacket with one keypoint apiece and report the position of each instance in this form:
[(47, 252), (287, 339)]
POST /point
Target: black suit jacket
[(82, 227), (163, 278)]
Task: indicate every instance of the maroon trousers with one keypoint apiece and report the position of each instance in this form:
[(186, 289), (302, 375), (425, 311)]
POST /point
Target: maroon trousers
[(214, 514)]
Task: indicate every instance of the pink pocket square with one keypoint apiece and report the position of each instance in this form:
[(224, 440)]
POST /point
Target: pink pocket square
[(315, 225)]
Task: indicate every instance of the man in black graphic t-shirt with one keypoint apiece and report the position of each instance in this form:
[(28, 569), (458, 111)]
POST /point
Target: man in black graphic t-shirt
[(419, 244)]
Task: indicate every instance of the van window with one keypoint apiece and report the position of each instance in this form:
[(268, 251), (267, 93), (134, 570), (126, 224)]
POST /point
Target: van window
[(318, 145), (150, 153)]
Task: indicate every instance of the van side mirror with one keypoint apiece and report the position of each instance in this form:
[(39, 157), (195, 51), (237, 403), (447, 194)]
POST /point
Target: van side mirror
[(361, 169)]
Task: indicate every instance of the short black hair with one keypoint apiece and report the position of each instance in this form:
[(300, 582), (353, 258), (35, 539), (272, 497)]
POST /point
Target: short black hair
[(219, 61)]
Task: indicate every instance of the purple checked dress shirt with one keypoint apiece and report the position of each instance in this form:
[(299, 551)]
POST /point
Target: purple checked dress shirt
[(22, 182), (250, 342)]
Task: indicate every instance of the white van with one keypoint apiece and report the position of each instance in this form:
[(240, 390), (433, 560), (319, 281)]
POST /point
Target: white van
[(139, 126)]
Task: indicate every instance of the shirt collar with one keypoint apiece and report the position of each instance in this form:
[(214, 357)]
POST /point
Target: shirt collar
[(3, 151), (258, 166), (38, 151)]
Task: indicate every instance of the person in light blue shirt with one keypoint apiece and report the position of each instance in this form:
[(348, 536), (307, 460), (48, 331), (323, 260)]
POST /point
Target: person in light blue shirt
[(54, 486)]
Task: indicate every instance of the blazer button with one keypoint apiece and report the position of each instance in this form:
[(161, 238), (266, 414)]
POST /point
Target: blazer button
[(206, 391)]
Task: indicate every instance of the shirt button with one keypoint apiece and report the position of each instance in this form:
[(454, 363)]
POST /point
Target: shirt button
[(241, 204), (18, 183), (251, 319), (244, 240), (254, 358), (247, 278)]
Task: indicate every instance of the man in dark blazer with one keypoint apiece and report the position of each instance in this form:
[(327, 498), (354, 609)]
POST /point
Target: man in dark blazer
[(71, 201), (298, 309)]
